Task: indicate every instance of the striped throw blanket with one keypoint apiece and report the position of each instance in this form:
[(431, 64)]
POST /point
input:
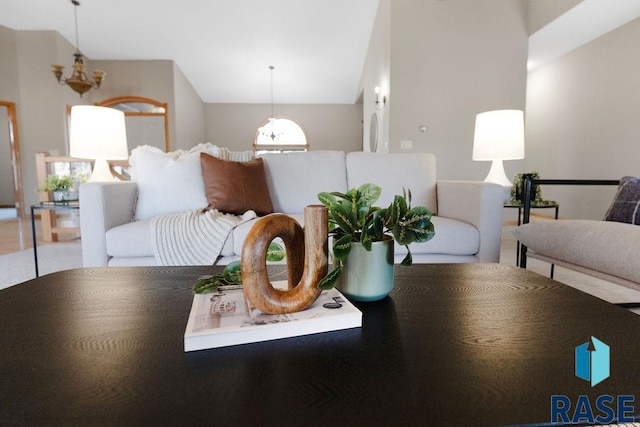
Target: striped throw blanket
[(193, 238)]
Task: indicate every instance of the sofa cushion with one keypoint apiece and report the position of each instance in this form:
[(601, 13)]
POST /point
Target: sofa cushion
[(455, 238), (241, 231), (134, 240), (626, 203), (609, 247), (392, 173), (452, 237), (295, 179), (166, 184), (235, 187)]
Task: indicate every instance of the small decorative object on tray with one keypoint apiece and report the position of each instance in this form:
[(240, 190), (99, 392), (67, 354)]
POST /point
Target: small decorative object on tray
[(307, 252), (222, 318)]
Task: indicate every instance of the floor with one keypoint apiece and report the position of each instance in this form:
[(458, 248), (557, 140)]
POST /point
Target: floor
[(15, 233)]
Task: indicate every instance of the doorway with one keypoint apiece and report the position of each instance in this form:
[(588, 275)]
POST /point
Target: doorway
[(11, 196)]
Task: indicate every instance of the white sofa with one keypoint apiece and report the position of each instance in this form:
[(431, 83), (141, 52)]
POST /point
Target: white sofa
[(467, 214)]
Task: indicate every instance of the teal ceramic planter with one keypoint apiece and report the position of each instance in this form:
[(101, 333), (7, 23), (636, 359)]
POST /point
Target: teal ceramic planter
[(368, 275)]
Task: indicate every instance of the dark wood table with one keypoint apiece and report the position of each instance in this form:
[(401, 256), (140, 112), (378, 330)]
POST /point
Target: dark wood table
[(475, 344)]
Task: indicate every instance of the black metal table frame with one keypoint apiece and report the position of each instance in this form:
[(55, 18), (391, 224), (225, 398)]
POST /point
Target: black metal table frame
[(53, 206)]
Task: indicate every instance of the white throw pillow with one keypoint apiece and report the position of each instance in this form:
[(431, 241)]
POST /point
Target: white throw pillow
[(167, 182)]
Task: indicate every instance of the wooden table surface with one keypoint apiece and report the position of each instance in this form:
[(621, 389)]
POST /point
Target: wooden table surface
[(474, 344)]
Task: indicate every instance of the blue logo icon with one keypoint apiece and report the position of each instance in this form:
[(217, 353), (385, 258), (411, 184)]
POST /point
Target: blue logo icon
[(592, 361)]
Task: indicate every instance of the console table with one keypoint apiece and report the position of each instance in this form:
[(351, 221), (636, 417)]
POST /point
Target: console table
[(454, 344)]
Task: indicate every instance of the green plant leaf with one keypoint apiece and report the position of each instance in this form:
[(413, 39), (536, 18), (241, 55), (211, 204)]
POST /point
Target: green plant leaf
[(398, 209), (368, 194), (326, 199), (418, 220), (344, 217), (275, 252), (403, 235), (342, 247), (329, 281)]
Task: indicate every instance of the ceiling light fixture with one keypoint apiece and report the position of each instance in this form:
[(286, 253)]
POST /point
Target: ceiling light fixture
[(78, 81), (269, 128)]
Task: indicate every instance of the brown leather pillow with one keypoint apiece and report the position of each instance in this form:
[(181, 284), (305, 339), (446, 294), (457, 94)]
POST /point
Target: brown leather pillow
[(235, 187)]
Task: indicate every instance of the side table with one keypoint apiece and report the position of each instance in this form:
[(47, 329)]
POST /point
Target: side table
[(520, 207), (49, 206)]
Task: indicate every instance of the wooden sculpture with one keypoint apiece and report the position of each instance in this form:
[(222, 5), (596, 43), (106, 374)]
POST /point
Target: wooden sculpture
[(306, 261)]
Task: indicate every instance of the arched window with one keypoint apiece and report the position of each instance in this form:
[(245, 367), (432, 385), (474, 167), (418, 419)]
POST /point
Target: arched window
[(280, 136)]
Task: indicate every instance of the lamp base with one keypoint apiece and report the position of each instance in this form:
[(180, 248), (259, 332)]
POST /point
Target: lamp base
[(498, 176), (101, 172)]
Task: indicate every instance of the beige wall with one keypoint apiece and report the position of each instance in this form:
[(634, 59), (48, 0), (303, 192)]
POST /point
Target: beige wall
[(41, 103), (149, 79), (189, 111), (582, 119), (450, 61), (41, 107), (327, 126)]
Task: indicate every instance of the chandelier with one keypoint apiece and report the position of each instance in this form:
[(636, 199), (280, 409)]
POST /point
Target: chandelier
[(78, 81), (269, 129)]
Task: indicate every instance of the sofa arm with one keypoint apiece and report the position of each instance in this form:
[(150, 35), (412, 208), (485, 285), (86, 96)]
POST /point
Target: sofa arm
[(478, 203), (103, 205)]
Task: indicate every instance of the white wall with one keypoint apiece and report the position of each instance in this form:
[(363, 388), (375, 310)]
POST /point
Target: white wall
[(451, 60), (377, 73), (327, 126), (541, 12), (582, 119)]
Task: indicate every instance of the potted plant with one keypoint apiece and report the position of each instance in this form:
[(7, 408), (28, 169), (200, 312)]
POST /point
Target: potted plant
[(61, 188), (363, 237)]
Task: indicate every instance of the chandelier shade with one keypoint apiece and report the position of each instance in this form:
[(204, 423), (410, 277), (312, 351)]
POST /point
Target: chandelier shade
[(269, 129), (78, 81)]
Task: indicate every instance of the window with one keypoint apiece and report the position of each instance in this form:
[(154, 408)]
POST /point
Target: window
[(280, 136)]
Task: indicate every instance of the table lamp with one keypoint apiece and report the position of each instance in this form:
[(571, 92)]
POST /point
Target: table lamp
[(98, 133), (499, 135)]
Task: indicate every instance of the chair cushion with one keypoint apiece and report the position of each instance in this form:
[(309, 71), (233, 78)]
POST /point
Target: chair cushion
[(626, 203), (235, 187), (606, 246)]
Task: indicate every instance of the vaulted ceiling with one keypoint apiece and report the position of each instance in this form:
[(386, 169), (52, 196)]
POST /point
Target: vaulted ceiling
[(224, 48)]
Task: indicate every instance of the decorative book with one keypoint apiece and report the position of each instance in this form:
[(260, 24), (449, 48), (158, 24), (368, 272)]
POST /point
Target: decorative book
[(222, 318)]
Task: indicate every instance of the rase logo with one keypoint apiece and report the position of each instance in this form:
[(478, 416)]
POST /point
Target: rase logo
[(592, 361), (593, 365)]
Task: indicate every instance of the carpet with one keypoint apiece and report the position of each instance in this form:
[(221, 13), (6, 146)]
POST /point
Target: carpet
[(18, 267)]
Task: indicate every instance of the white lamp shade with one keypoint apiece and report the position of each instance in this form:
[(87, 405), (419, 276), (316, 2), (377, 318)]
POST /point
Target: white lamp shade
[(499, 135), (97, 133)]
